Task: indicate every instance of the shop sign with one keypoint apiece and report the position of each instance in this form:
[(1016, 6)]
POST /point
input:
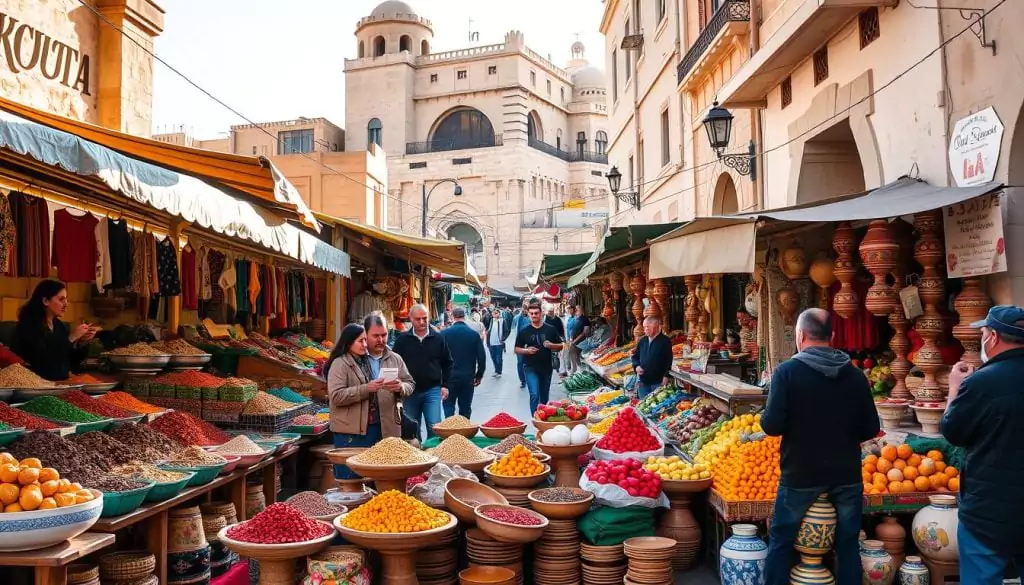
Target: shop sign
[(579, 219), (974, 148), (974, 237), (575, 204), (25, 48)]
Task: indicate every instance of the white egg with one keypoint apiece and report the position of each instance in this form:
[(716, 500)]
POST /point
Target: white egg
[(558, 436), (579, 435)]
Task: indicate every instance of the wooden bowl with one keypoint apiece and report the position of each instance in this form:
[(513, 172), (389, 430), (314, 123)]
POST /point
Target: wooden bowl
[(403, 542), (561, 510), (542, 457), (340, 456), (459, 494), (568, 451), (517, 482), (502, 432), (685, 486), (274, 552), (505, 532), (487, 576), (390, 472), (468, 432), (543, 425), (475, 467)]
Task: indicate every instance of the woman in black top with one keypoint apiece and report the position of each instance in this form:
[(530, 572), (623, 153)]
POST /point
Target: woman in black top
[(48, 345)]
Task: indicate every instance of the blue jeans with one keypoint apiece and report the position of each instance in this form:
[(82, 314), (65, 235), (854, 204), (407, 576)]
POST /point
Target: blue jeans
[(539, 384), (425, 404), (497, 357), (642, 390), (462, 393), (791, 504), (980, 565), (521, 369), (342, 440)]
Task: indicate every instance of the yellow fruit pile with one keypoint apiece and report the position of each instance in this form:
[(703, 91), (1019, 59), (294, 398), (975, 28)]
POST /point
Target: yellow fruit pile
[(750, 471), (519, 462), (727, 438), (605, 397), (27, 485), (600, 428), (901, 471), (393, 511), (675, 468)]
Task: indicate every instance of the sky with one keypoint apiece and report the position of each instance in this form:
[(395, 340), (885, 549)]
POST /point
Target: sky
[(271, 63)]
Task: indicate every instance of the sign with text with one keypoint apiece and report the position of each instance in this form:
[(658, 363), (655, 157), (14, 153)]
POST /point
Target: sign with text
[(575, 204), (26, 48), (974, 148), (579, 218), (974, 237)]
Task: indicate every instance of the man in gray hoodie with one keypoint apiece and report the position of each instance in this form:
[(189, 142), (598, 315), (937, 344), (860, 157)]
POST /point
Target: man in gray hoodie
[(821, 406)]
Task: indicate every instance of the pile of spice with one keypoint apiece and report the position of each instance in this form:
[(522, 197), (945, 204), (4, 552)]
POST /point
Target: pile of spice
[(265, 403), (177, 347), (519, 462), (195, 457), (54, 408), (148, 472), (279, 524), (55, 451), (87, 379), (189, 430), (502, 421), (128, 402), (314, 504), (240, 445), (510, 442), (18, 376), (137, 350), (289, 395), (560, 495), (110, 451), (458, 449), (517, 516), (455, 422), (95, 406), (16, 419), (394, 512), (189, 378), (305, 420), (116, 483), (147, 444), (391, 451)]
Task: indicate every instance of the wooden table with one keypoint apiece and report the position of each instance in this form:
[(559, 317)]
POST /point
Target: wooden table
[(51, 564), (155, 515), (723, 402)]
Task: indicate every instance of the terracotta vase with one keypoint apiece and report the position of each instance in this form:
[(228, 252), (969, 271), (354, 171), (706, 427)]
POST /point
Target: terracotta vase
[(822, 275), (742, 556), (876, 564), (934, 529), (817, 532), (879, 252), (789, 305), (653, 307), (894, 536), (914, 572), (843, 241), (929, 251), (679, 524), (793, 262), (661, 294), (810, 571), (637, 286), (692, 313), (972, 305), (607, 311)]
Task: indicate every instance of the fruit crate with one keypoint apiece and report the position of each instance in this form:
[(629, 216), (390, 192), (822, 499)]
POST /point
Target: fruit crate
[(268, 423), (742, 510), (909, 502)]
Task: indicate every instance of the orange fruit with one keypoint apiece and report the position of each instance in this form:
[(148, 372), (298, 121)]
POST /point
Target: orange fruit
[(6, 457), (64, 500), (904, 451), (889, 453), (30, 497), (870, 468), (47, 504), (899, 464), (867, 488), (32, 462), (914, 460), (48, 474), (922, 484), (927, 467), (895, 487), (935, 455), (9, 493), (879, 478), (910, 473), (908, 486), (940, 466), (865, 477), (884, 465), (954, 484), (63, 486), (28, 476), (872, 459), (939, 480), (13, 508), (951, 471), (81, 498), (49, 487), (894, 475), (75, 486), (9, 473)]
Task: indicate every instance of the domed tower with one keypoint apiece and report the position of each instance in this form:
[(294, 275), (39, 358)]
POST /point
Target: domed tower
[(391, 28), (589, 114)]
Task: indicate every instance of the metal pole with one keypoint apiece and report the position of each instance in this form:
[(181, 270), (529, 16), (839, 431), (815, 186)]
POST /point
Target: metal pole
[(423, 224)]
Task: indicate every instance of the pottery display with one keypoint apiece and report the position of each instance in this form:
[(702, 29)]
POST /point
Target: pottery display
[(606, 293), (822, 274), (893, 535), (914, 572), (972, 305), (929, 252), (679, 523), (637, 287), (662, 293), (742, 556), (934, 529), (810, 571), (692, 312), (793, 262), (845, 301), (891, 412), (879, 252), (876, 563), (789, 305), (185, 529), (929, 415), (817, 532)]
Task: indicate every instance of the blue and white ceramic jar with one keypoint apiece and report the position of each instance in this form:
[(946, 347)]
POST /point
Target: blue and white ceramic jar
[(914, 572), (742, 557)]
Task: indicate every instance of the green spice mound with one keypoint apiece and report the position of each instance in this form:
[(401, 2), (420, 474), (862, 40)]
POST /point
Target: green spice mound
[(54, 408)]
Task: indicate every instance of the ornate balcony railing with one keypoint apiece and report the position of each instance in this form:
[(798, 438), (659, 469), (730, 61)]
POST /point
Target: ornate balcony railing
[(574, 156), (729, 11), (588, 156), (449, 145)]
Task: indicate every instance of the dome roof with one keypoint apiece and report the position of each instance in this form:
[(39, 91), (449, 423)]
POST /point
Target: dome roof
[(391, 8), (588, 77)]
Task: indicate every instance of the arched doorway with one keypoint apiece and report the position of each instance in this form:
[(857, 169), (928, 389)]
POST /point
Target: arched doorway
[(726, 202), (379, 46), (468, 235), (830, 165), (405, 43), (425, 47), (533, 128)]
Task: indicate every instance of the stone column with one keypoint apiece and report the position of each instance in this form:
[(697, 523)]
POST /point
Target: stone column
[(125, 70)]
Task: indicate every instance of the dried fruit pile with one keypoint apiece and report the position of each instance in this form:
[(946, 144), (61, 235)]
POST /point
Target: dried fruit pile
[(18, 376), (177, 347), (195, 457), (519, 462), (61, 454), (279, 524), (189, 430), (137, 349), (314, 504), (148, 472), (265, 403), (560, 495), (109, 451), (392, 512), (27, 485), (148, 445), (628, 434), (510, 442), (391, 451), (502, 421)]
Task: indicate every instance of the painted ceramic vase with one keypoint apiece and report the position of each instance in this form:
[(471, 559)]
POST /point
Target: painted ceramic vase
[(894, 536), (742, 557), (876, 563), (810, 571), (914, 572), (934, 529), (817, 532)]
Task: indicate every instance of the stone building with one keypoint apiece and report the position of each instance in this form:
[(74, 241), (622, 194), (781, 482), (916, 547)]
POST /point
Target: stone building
[(525, 140)]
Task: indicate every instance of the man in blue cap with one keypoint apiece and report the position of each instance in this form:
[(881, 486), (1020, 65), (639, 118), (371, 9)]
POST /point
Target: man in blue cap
[(983, 416)]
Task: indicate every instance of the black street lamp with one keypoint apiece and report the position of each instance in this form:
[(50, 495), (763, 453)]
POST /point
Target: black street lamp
[(615, 183), (426, 200), (718, 125)]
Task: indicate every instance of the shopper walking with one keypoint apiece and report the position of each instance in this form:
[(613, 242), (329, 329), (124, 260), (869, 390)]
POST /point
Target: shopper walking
[(520, 320), (497, 333), (821, 406), (983, 415), (652, 358), (537, 342), (429, 360), (469, 362), (579, 329)]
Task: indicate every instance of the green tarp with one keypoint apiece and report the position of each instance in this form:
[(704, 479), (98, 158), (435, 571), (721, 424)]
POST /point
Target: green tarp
[(555, 264), (617, 240)]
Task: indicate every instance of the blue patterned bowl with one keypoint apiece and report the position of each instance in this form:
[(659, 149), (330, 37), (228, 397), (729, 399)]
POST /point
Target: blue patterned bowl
[(20, 531)]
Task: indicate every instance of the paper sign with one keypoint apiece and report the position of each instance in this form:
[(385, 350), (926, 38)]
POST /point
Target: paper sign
[(389, 373), (974, 237), (974, 148)]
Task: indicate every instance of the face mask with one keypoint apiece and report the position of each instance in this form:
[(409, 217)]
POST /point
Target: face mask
[(984, 354)]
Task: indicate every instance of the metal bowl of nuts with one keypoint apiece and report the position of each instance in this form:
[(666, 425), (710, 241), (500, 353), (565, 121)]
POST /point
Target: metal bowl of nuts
[(178, 361)]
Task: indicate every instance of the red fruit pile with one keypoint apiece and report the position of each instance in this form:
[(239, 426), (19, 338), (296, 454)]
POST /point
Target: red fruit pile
[(279, 524), (628, 434), (628, 474), (502, 421)]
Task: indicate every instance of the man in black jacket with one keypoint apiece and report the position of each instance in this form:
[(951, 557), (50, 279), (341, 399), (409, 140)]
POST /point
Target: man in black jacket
[(652, 359), (821, 406), (429, 360), (467, 351), (983, 415)]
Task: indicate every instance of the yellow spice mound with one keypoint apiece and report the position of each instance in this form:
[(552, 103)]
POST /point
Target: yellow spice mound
[(394, 512)]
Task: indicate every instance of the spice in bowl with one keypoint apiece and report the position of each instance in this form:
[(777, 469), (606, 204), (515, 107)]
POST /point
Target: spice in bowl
[(502, 421), (518, 463), (195, 457), (54, 408), (560, 495), (95, 406), (148, 473), (391, 451), (510, 442), (16, 418), (511, 515), (264, 403), (177, 347), (314, 504), (137, 350), (455, 422), (279, 523), (240, 445), (116, 483), (189, 430), (18, 376), (150, 445), (459, 449), (394, 512), (128, 402)]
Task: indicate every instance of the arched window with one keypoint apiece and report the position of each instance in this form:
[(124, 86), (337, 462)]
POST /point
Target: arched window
[(581, 142), (601, 142), (374, 133), (463, 128), (378, 46), (425, 47), (558, 139), (405, 43), (362, 49), (534, 131)]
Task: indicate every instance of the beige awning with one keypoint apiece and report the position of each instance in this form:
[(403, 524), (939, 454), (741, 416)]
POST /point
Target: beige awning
[(712, 245)]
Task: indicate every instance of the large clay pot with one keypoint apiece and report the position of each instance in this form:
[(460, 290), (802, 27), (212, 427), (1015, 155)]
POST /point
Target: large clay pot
[(822, 275), (876, 564), (810, 571), (935, 527), (742, 556), (879, 251), (817, 533), (894, 536), (845, 301), (914, 572), (793, 262), (789, 305)]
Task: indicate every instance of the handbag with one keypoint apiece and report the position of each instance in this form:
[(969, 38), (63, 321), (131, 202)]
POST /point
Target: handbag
[(911, 302), (556, 363)]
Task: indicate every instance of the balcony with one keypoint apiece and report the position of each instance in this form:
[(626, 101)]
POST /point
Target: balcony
[(586, 156), (789, 36), (450, 145), (730, 20)]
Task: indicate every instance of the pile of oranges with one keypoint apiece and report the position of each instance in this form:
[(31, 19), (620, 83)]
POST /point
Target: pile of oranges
[(27, 485), (900, 471), (519, 462), (750, 471)]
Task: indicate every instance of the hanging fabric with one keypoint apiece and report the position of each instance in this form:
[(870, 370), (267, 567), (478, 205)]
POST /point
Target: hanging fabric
[(119, 250), (8, 233), (103, 268), (74, 246), (32, 225), (189, 291)]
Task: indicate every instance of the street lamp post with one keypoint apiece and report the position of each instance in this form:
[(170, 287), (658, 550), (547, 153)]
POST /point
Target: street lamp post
[(426, 200), (718, 124), (615, 183)]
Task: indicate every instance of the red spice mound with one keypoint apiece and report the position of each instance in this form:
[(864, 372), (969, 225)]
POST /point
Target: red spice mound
[(94, 405), (87, 378), (502, 421), (279, 524), (190, 378), (189, 430), (17, 418)]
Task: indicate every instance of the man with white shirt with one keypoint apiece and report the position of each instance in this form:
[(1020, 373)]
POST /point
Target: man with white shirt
[(497, 333)]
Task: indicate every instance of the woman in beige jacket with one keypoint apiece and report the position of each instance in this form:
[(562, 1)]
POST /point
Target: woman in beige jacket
[(364, 406)]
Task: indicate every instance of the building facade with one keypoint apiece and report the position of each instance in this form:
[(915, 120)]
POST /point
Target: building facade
[(526, 141)]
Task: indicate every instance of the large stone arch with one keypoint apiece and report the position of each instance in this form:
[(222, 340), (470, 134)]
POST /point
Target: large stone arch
[(459, 212), (726, 200), (480, 129)]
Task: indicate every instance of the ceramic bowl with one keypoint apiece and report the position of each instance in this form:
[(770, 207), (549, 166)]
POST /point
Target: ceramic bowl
[(506, 532), (515, 481), (487, 576), (274, 552), (502, 432), (460, 495), (232, 463), (561, 510), (22, 531), (468, 432)]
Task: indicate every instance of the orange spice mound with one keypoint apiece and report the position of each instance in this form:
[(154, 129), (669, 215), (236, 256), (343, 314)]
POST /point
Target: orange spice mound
[(87, 378), (129, 402)]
